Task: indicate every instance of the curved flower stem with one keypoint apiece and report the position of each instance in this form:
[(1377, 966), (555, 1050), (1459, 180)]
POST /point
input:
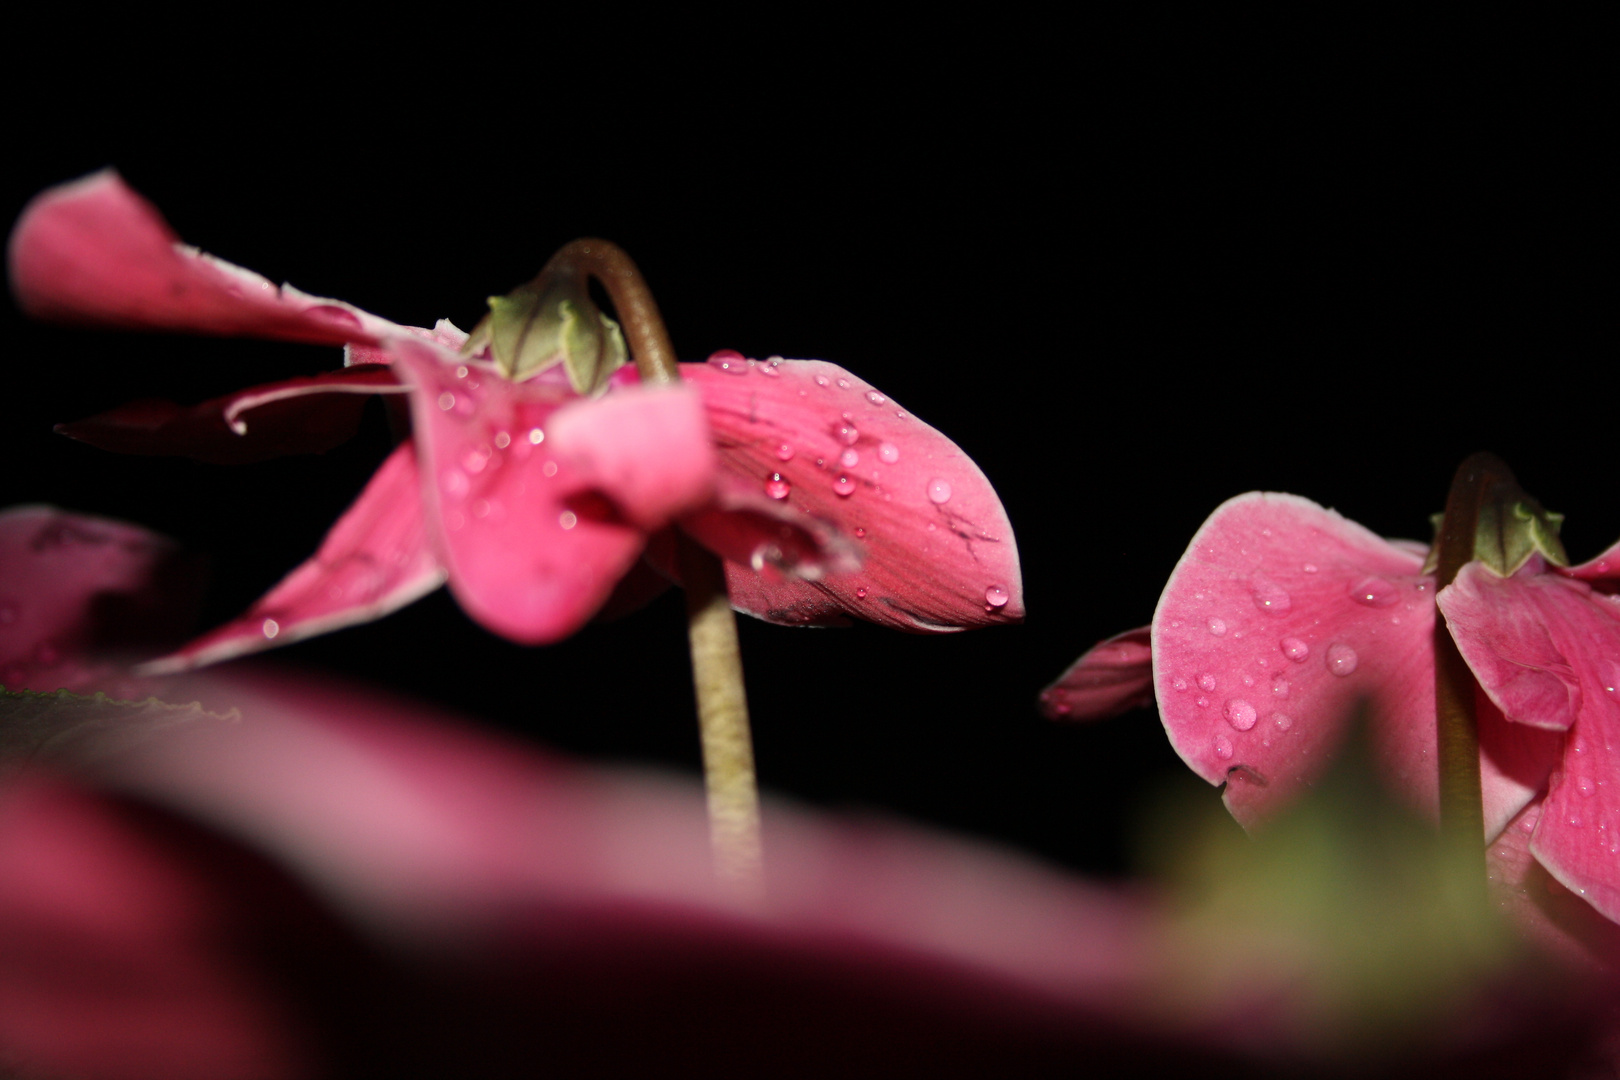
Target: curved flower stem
[(711, 625), (1462, 814)]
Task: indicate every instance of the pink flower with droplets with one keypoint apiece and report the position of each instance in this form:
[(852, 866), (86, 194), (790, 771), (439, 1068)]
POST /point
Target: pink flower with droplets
[(533, 502), (1286, 615)]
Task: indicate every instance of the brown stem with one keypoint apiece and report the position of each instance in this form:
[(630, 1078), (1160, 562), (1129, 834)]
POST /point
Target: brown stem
[(711, 625), (1462, 814)]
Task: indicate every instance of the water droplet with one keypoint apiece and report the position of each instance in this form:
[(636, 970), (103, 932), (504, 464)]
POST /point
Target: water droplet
[(270, 628), (772, 367), (1279, 687), (996, 596), (1201, 701), (1341, 659), (447, 401), (1240, 714), (461, 371), (1248, 680), (1178, 684), (1217, 626), (1270, 597), (843, 384), (1585, 786), (844, 486), (776, 487), (1309, 568), (730, 361), (784, 452), (939, 491), (480, 508), (502, 440), (860, 533), (1295, 649), (476, 458), (875, 398), (860, 594), (1375, 592), (1282, 721), (847, 434), (454, 482), (1206, 682), (822, 380), (888, 453), (549, 469), (536, 436), (849, 458), (567, 519), (1223, 747)]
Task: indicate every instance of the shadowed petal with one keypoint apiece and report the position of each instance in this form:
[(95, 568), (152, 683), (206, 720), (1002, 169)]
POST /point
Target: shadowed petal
[(94, 251), (307, 415), (937, 549), (375, 560), (1111, 677), (75, 587), (749, 528), (1543, 909), (533, 538), (1279, 618)]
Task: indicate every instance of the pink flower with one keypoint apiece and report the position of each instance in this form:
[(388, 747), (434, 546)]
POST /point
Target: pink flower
[(825, 498), (1282, 615)]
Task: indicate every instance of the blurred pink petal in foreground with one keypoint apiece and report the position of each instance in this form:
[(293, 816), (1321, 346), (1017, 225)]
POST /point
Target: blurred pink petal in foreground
[(1282, 615), (824, 496), (327, 882)]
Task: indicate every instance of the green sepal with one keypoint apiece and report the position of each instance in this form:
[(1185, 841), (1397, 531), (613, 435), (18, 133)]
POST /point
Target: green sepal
[(1512, 527), (549, 321)]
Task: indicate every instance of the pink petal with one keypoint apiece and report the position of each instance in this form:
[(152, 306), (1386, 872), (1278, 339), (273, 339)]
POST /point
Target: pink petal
[(1546, 648), (1544, 910), (375, 560), (1508, 631), (307, 415), (1279, 618), (1111, 677), (938, 552), (1603, 572), (92, 250), (74, 588), (534, 538), (646, 448), (749, 528)]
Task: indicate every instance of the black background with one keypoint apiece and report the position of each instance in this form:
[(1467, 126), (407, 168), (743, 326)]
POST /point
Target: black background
[(1132, 272)]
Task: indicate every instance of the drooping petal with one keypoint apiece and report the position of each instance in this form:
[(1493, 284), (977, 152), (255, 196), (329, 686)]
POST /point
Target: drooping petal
[(74, 588), (937, 549), (1279, 618), (1111, 677), (307, 415), (749, 528), (645, 448), (1546, 648), (375, 560), (94, 251), (1508, 631), (534, 538)]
